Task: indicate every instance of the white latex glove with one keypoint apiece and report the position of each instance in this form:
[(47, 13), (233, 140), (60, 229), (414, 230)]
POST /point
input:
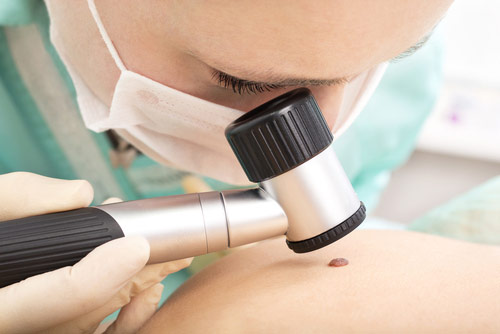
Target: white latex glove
[(76, 299)]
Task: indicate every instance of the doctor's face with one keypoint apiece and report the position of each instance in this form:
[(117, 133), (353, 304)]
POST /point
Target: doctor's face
[(242, 53)]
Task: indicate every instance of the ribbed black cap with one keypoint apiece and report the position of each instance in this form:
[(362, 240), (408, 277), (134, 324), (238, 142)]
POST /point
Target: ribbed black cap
[(330, 236), (279, 135)]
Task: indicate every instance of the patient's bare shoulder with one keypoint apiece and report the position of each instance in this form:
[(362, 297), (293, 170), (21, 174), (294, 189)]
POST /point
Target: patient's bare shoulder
[(394, 281)]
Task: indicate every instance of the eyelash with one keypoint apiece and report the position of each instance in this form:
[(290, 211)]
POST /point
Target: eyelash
[(241, 86)]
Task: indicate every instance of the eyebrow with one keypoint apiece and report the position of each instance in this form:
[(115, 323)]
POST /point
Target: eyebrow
[(412, 49)]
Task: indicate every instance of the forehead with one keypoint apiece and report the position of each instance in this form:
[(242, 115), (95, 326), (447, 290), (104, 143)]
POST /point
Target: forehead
[(327, 39)]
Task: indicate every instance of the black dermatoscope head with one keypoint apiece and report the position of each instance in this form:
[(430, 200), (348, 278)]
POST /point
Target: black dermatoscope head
[(285, 145)]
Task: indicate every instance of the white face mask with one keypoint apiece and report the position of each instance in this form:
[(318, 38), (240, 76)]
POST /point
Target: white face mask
[(177, 129)]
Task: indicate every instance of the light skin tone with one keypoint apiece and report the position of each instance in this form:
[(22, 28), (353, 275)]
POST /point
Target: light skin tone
[(395, 282), (319, 44)]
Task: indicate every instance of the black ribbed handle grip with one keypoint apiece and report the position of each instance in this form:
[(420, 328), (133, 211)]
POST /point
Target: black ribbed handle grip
[(35, 245)]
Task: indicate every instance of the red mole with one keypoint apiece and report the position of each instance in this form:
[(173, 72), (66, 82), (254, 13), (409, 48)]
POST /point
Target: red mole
[(338, 262)]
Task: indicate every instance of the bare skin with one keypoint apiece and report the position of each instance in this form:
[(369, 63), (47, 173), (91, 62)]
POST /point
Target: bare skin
[(396, 282), (179, 43)]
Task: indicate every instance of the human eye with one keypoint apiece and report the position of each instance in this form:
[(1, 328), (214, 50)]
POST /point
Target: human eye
[(241, 86)]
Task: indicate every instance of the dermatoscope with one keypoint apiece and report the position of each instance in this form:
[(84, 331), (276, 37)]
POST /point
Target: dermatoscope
[(284, 146)]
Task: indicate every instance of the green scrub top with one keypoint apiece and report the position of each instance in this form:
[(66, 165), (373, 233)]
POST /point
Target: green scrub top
[(41, 130)]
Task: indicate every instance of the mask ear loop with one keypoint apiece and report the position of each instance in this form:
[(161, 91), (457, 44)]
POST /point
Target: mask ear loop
[(364, 85), (105, 36)]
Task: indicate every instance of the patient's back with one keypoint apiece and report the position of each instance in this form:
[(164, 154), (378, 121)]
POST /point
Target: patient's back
[(395, 281)]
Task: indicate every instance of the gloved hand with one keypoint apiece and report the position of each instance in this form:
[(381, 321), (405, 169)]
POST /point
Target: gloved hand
[(76, 299)]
